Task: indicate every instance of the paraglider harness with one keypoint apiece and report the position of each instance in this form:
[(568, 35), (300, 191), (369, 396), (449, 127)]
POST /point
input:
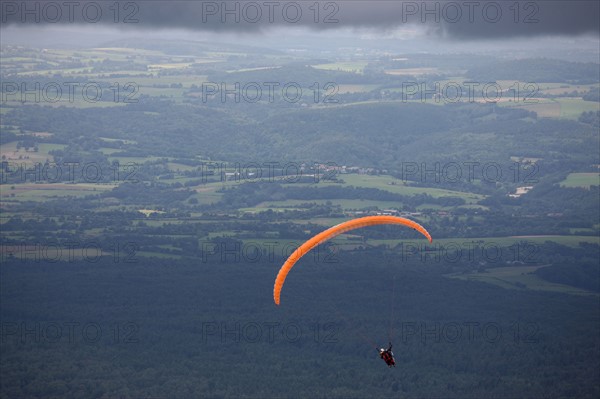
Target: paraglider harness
[(387, 355)]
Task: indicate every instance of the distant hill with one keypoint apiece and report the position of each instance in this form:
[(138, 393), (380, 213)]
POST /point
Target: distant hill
[(537, 70), (369, 135)]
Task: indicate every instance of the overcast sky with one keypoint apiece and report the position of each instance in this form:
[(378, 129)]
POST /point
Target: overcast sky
[(438, 25), (448, 19)]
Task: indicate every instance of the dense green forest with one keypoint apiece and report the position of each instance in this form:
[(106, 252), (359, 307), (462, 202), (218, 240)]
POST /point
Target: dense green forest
[(169, 328)]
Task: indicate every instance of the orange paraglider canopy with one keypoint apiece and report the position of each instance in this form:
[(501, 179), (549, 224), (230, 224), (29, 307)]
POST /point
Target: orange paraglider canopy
[(333, 232)]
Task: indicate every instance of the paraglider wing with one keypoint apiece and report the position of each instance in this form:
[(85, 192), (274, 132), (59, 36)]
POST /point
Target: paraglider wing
[(333, 232)]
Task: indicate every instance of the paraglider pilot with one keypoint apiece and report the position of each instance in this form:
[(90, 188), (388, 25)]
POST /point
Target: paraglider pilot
[(387, 355)]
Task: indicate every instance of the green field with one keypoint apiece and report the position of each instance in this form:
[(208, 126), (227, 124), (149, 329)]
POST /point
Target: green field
[(393, 185), (520, 277), (10, 153), (560, 107), (346, 66), (412, 71), (585, 180), (45, 191), (571, 108), (207, 194), (179, 167)]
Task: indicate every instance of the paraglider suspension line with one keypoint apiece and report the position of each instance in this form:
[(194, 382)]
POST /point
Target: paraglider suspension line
[(391, 329)]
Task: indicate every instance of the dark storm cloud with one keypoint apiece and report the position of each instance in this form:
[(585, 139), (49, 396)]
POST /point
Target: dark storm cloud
[(452, 19)]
